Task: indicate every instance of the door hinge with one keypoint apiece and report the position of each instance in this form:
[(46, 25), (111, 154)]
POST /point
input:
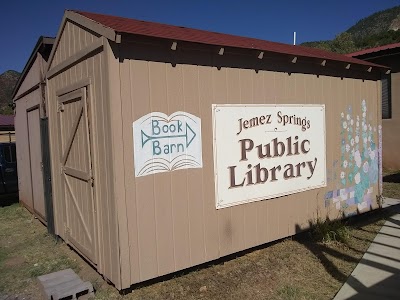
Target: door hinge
[(60, 107), (91, 180)]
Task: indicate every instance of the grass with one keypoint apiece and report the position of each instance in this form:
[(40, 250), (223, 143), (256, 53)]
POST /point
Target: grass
[(328, 231), (311, 265), (391, 180), (27, 251)]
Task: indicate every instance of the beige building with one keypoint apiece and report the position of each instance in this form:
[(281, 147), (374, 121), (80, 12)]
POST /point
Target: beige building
[(7, 129), (388, 55), (29, 101), (136, 111)]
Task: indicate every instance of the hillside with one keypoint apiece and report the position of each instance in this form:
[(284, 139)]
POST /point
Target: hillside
[(376, 23), (378, 29), (7, 82)]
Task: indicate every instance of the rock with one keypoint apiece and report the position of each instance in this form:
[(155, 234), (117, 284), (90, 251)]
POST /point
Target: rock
[(203, 289)]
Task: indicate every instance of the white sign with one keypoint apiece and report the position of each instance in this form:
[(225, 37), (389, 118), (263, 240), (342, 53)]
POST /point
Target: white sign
[(166, 143), (266, 151)]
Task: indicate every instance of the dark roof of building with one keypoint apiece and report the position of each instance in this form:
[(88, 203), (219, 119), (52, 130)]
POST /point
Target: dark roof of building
[(6, 120), (43, 46), (176, 33), (374, 50)]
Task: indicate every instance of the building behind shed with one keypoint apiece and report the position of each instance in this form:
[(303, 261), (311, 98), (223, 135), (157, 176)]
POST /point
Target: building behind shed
[(107, 73), (388, 55)]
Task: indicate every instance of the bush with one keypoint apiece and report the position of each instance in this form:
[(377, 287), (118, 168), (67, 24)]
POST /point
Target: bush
[(328, 231)]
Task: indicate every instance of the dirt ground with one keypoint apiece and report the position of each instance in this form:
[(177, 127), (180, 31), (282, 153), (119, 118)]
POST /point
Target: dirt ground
[(294, 268)]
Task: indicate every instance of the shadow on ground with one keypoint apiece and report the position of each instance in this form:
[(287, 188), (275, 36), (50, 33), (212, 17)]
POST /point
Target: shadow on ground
[(386, 288), (393, 178), (8, 199)]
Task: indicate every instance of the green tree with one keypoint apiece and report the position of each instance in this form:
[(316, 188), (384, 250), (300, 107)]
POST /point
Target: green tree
[(6, 109), (343, 43)]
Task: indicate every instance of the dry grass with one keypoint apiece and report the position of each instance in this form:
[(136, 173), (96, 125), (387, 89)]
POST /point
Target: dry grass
[(312, 265), (391, 183), (294, 268)]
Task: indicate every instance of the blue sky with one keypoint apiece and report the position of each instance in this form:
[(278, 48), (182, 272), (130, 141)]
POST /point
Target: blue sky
[(22, 22)]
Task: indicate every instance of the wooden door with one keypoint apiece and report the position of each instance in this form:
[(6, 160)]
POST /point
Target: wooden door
[(35, 152), (76, 172)]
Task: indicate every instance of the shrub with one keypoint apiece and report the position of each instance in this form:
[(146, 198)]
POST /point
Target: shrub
[(328, 231)]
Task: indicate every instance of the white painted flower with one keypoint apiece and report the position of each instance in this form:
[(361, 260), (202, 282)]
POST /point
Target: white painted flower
[(358, 118), (358, 124), (348, 117), (347, 147), (365, 127), (357, 139), (363, 102), (342, 114), (365, 140), (369, 139), (357, 158), (352, 122), (357, 178), (345, 164), (348, 128), (342, 174), (372, 155), (352, 142), (366, 167), (364, 114), (344, 124)]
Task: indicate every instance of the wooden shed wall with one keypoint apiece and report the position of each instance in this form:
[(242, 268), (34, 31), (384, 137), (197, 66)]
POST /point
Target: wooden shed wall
[(73, 39), (22, 144), (27, 128), (168, 221), (34, 76)]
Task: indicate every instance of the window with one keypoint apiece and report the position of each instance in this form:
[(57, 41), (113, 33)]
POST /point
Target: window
[(387, 97), (9, 153)]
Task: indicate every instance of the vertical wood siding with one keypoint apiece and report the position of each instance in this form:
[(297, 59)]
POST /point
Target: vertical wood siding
[(35, 153), (170, 218), (29, 171), (33, 76), (31, 195), (72, 40)]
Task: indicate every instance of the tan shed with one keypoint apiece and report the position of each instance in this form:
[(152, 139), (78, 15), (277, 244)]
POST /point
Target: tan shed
[(171, 147), (29, 101)]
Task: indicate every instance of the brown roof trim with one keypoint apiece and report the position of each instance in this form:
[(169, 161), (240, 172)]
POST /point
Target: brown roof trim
[(176, 33), (374, 50)]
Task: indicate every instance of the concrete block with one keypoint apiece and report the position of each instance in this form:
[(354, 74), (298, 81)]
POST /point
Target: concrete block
[(64, 284)]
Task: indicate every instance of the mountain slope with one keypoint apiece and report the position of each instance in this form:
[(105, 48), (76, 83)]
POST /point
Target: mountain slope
[(376, 23), (378, 29), (7, 82)]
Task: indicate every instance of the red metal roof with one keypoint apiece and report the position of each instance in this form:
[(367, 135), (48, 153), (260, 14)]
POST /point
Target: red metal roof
[(131, 26), (6, 120), (376, 49)]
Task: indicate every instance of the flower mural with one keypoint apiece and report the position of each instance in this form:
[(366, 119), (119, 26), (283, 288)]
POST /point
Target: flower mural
[(359, 166)]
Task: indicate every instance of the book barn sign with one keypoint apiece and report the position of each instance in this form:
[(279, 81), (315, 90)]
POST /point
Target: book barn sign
[(266, 151)]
